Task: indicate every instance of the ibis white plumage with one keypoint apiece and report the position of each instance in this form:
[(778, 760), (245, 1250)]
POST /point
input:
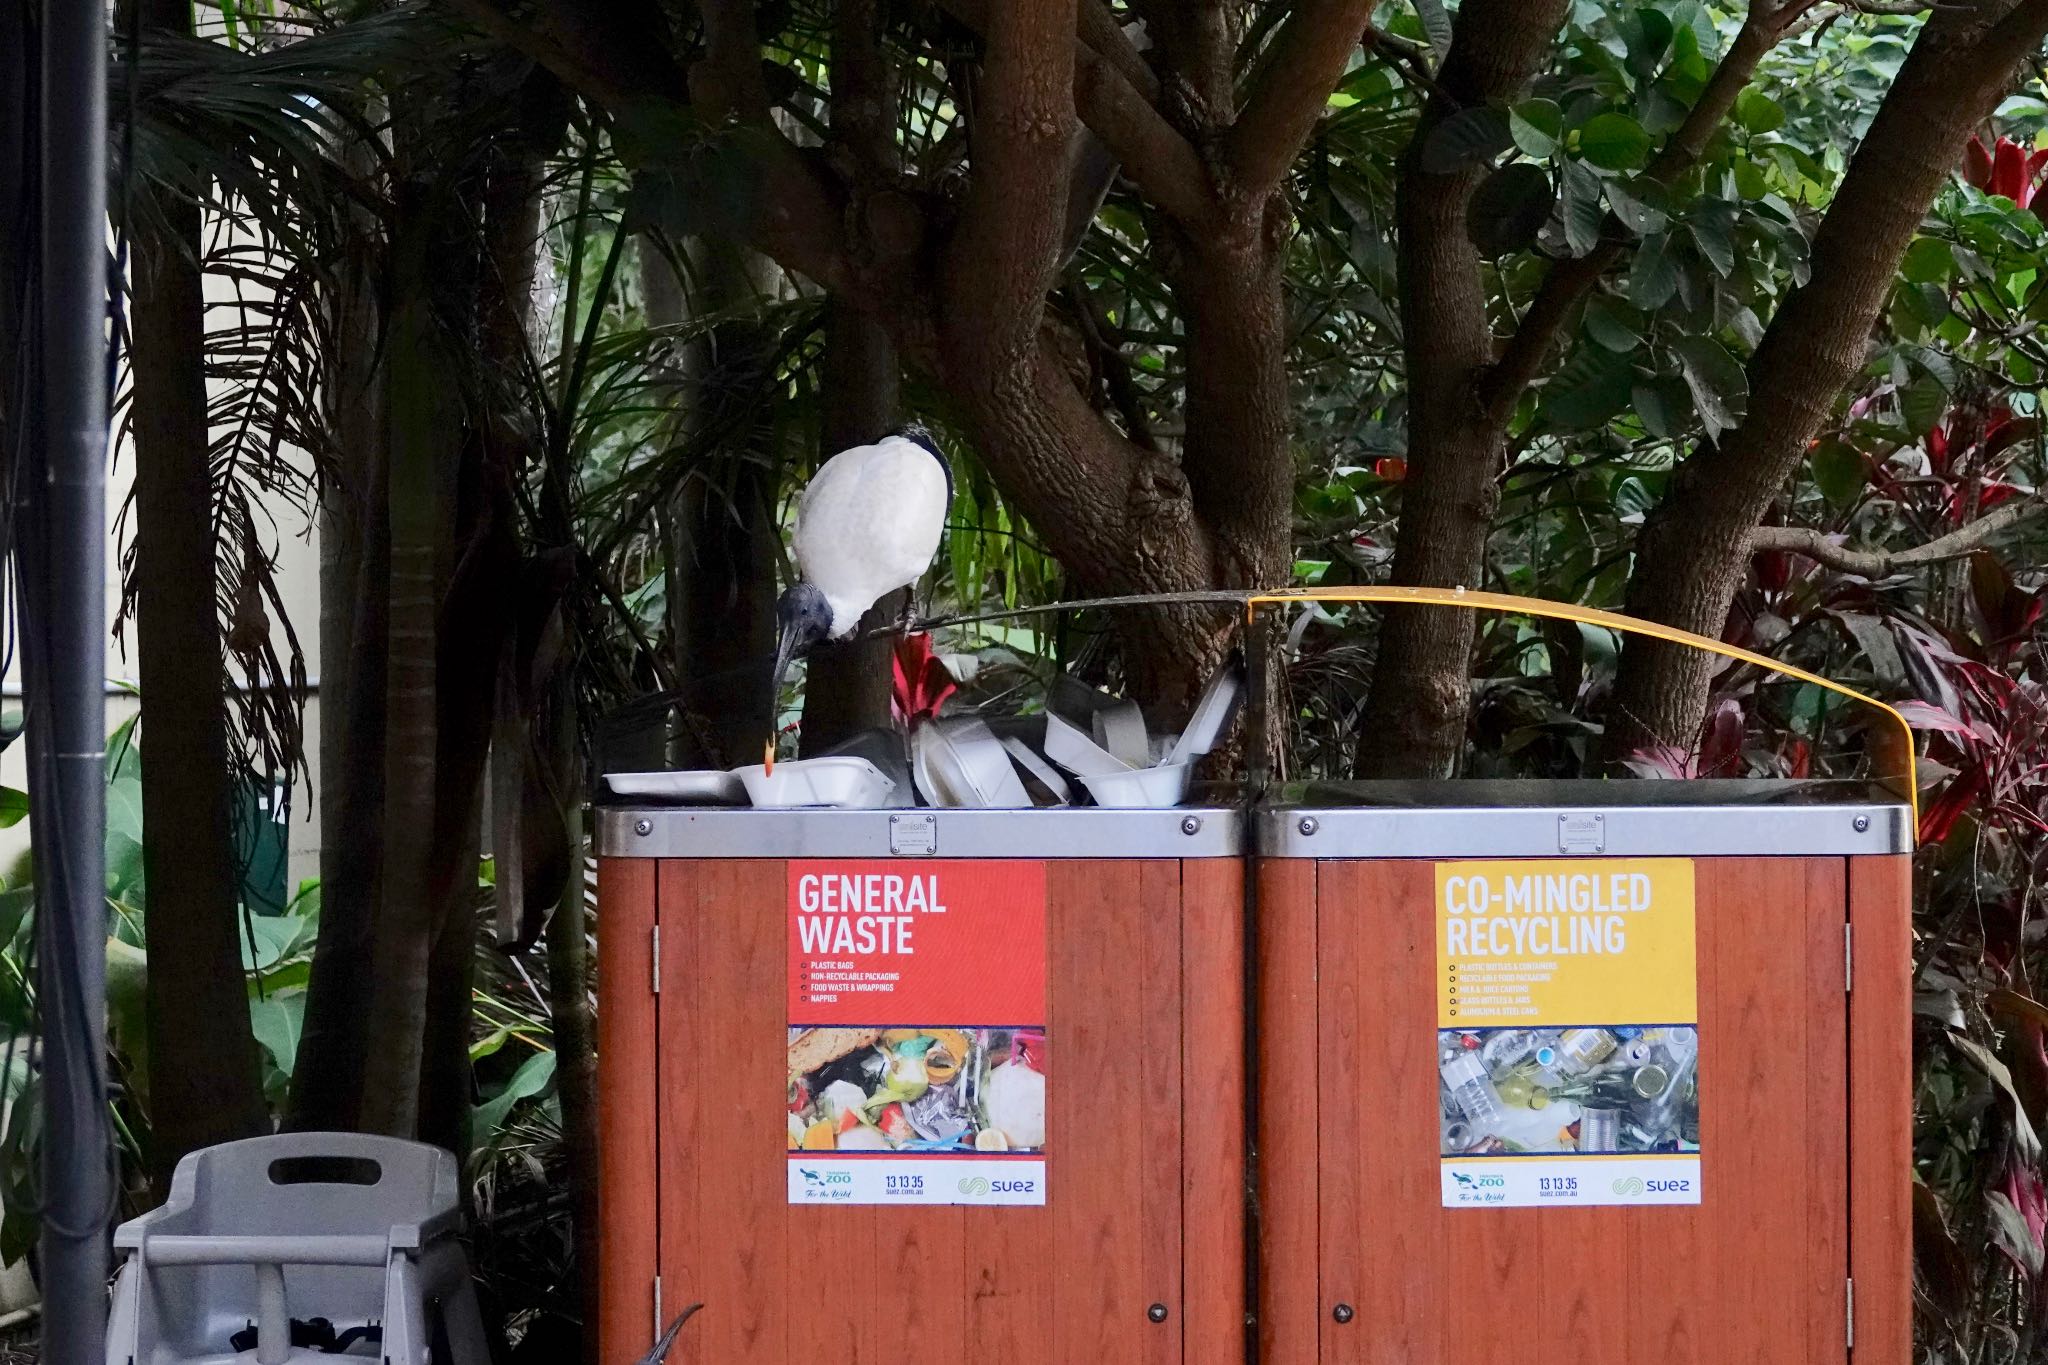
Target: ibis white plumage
[(868, 523)]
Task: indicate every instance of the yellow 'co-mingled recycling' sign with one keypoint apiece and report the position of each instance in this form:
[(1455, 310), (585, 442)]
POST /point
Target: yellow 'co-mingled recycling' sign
[(1567, 1032)]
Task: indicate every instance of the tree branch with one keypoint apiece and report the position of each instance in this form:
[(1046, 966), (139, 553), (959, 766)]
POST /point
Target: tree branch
[(1163, 164), (1291, 91), (727, 81), (1003, 257), (1568, 280), (1876, 564), (1405, 57), (1106, 38), (797, 207)]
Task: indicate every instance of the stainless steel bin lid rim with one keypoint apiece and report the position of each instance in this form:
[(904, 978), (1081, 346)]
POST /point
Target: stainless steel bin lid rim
[(1582, 818), (1049, 832)]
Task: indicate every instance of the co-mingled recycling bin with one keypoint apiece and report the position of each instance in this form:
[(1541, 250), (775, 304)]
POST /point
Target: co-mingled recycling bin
[(943, 1085), (1592, 1072)]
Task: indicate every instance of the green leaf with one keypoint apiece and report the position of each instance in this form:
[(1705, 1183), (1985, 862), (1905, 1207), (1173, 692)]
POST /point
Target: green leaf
[(1589, 388), (1758, 112), (1653, 279), (1838, 471), (1648, 36), (278, 1023), (1613, 324), (532, 1077), (1928, 261), (1509, 208), (1664, 407), (1584, 214), (1713, 229), (1635, 215), (1928, 303), (1476, 134), (1614, 142), (1921, 405), (127, 1004), (13, 806), (1436, 23), (1537, 126), (1720, 388)]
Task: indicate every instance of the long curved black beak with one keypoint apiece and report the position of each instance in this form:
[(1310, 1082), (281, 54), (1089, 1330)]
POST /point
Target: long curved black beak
[(789, 642)]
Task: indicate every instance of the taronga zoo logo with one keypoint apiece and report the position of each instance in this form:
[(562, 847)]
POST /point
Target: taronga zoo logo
[(1629, 1186), (1479, 1189), (973, 1186)]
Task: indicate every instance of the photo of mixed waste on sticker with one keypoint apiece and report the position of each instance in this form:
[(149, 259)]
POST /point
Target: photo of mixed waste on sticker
[(1602, 1089), (930, 1090)]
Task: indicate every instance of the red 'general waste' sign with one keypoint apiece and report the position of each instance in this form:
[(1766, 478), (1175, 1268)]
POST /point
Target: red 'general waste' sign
[(890, 942)]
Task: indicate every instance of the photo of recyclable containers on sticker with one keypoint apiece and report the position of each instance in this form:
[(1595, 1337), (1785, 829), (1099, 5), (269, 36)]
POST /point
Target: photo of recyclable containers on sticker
[(1590, 1091), (1535, 1107)]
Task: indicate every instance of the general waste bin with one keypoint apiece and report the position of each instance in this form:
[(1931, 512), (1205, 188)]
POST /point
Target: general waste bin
[(968, 1083), (1591, 1072)]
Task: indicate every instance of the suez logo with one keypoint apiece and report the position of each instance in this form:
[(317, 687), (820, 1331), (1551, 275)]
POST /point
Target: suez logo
[(976, 1186), (1629, 1186)]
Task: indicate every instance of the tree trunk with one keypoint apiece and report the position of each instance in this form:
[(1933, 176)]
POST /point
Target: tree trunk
[(204, 1083), (1421, 685), (722, 552), (1693, 549), (847, 686), (355, 583), (403, 935)]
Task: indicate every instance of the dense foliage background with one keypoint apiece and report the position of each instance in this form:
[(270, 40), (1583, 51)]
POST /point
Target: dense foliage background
[(508, 332)]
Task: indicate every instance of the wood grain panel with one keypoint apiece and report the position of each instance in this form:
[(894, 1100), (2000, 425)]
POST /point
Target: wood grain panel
[(682, 1128), (1386, 1245), (724, 1056), (1881, 1108), (1165, 1114), (1094, 1146), (1753, 1274), (1213, 1193), (626, 1108), (1289, 1304), (1068, 1282)]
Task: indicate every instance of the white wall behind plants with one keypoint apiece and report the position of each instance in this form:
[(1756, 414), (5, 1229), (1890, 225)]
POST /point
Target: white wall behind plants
[(298, 579)]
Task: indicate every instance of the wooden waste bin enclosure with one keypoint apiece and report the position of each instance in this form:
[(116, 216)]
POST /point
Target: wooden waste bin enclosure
[(1600, 1073), (931, 1085)]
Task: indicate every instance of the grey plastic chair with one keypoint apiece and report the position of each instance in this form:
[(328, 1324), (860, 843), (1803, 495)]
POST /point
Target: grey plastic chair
[(357, 1230)]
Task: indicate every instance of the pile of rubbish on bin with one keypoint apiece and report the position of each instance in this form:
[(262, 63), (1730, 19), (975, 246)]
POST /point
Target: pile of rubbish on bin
[(1086, 747)]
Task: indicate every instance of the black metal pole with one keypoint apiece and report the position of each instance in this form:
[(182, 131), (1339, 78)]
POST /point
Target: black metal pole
[(68, 625)]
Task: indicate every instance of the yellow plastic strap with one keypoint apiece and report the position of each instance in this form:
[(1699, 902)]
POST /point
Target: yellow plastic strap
[(1628, 625)]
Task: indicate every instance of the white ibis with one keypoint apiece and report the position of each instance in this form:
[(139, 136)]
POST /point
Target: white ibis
[(868, 524)]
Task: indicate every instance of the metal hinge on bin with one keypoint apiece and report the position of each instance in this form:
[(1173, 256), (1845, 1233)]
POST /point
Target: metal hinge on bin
[(657, 1308), (1849, 1314), (655, 985), (1848, 958)]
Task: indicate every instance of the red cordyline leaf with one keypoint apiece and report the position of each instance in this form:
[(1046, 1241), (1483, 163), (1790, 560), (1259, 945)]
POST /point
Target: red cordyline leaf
[(921, 684), (2009, 172), (1392, 468), (1721, 740), (1977, 163), (1939, 818)]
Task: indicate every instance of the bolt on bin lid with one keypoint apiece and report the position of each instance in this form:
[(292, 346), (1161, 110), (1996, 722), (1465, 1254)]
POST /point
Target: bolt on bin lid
[(1640, 818), (909, 834)]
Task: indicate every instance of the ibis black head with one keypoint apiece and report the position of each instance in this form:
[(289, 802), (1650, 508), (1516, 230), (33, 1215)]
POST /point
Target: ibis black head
[(803, 618)]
